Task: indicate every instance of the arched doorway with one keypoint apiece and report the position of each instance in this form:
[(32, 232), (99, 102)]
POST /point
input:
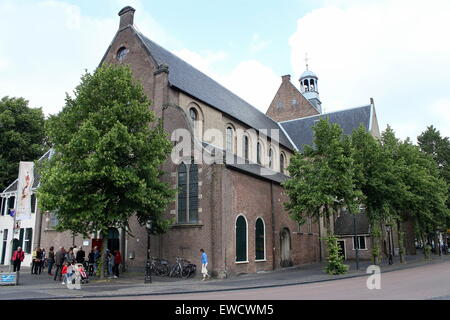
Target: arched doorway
[(113, 239), (285, 245)]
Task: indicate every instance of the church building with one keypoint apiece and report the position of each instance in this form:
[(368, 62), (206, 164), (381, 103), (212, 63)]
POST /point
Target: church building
[(232, 209)]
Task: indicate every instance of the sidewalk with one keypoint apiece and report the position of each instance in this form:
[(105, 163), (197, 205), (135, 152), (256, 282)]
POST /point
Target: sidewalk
[(132, 283)]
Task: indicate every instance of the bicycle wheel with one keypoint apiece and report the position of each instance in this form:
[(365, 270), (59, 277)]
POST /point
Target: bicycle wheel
[(186, 272), (163, 270)]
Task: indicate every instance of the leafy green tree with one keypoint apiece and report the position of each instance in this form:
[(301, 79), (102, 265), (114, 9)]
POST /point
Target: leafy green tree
[(374, 172), (22, 137), (427, 192), (432, 143), (322, 176), (335, 259), (109, 151)]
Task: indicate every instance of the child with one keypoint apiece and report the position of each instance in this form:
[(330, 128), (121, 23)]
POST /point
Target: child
[(64, 272)]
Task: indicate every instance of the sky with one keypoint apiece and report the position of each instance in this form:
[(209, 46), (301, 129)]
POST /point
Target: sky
[(394, 51)]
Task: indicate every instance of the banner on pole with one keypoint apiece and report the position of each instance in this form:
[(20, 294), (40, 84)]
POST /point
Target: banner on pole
[(26, 177)]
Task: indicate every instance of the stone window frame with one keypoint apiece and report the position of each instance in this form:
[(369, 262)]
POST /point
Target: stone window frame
[(235, 239), (264, 237), (270, 157), (233, 138), (187, 196), (197, 127), (283, 163)]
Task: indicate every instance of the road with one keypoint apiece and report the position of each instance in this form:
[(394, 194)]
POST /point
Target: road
[(425, 282)]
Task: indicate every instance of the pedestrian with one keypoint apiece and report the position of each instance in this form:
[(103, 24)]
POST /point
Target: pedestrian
[(109, 262), (80, 255), (204, 259), (96, 257), (33, 260), (64, 272), (75, 251), (117, 262), (44, 256), (70, 256), (91, 262), (37, 261), (51, 260), (17, 258), (59, 262)]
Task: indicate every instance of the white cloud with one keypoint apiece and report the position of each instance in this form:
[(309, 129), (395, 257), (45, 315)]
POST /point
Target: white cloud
[(250, 79), (393, 51), (51, 45)]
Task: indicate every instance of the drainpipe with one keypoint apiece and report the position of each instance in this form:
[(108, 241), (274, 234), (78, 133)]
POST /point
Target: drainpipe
[(272, 208)]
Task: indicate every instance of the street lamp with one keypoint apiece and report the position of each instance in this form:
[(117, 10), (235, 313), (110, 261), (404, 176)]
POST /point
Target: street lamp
[(389, 230), (148, 274)]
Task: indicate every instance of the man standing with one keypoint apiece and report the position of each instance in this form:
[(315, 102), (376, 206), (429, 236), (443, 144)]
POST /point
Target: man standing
[(51, 260), (204, 265), (80, 255), (59, 260), (17, 258)]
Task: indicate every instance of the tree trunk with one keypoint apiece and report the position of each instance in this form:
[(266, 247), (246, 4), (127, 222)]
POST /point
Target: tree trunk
[(104, 245), (401, 247)]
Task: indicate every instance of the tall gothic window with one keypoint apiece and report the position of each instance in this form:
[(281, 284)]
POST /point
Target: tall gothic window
[(270, 158), (246, 148), (187, 193), (229, 142), (194, 117), (258, 153), (259, 240), (282, 163), (241, 239)]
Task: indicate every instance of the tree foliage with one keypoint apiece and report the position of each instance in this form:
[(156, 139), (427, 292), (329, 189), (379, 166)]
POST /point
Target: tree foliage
[(322, 176), (109, 151), (22, 137)]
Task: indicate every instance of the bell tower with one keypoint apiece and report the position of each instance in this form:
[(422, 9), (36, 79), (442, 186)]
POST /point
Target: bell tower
[(308, 86)]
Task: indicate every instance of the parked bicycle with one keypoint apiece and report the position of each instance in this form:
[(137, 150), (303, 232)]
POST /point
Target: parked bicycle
[(182, 268), (159, 267)]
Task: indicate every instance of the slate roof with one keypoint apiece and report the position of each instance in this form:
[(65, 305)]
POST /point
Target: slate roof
[(344, 224), (195, 83), (237, 163), (301, 130)]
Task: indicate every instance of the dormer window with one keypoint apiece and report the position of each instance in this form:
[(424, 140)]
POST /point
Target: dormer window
[(122, 53)]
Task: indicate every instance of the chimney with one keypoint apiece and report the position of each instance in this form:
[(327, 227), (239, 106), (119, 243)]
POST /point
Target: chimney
[(126, 17), (286, 78)]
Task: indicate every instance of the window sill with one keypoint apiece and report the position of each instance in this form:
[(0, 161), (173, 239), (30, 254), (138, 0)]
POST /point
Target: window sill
[(241, 262), (187, 225), (360, 249), (263, 260)]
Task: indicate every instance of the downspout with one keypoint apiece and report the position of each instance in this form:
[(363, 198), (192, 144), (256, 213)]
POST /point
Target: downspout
[(272, 208)]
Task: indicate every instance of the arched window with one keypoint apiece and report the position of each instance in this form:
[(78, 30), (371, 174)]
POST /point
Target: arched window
[(241, 239), (260, 249), (194, 116), (187, 193), (246, 148), (193, 193), (282, 163), (182, 193), (306, 85), (229, 141), (121, 53), (270, 158), (258, 153)]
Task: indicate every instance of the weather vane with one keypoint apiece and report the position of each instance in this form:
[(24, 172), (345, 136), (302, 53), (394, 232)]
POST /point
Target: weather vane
[(306, 60)]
